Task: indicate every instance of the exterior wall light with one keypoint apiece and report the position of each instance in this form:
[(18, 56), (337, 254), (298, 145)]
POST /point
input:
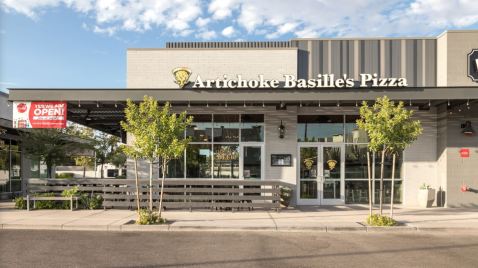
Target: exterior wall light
[(281, 130), (468, 129)]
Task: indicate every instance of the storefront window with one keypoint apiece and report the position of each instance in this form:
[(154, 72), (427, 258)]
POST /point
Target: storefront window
[(15, 172), (252, 128), (308, 172), (387, 194), (226, 128), (356, 166), (201, 128), (388, 163), (198, 161), (174, 168), (5, 168), (322, 128), (226, 161), (356, 192), (331, 164), (352, 133)]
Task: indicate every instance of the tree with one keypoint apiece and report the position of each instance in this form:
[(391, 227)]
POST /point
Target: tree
[(390, 129), (119, 160), (85, 133), (51, 146), (105, 148), (156, 135), (3, 152)]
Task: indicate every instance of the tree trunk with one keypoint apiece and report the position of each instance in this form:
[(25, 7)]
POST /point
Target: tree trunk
[(48, 171), (151, 189), (162, 188), (393, 187), (84, 171), (369, 184), (381, 179), (101, 170), (137, 183)]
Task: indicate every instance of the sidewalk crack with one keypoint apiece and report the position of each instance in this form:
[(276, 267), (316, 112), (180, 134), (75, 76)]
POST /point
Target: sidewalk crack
[(272, 219)]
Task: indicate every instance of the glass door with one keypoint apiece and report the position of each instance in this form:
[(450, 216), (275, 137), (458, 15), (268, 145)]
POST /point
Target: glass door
[(251, 162), (332, 168), (320, 175)]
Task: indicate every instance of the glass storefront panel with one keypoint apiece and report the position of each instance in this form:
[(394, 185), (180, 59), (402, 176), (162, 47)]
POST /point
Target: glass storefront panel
[(15, 172), (308, 190), (332, 172), (388, 164), (352, 133), (226, 161), (356, 166), (387, 194), (198, 161), (174, 168), (252, 163), (201, 128), (308, 172), (252, 128), (226, 128), (356, 192), (322, 128), (4, 169)]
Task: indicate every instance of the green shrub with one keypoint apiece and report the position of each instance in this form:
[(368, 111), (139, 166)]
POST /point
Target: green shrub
[(91, 202), (147, 217), (46, 204), (68, 193), (121, 177), (21, 203), (65, 175), (376, 220)]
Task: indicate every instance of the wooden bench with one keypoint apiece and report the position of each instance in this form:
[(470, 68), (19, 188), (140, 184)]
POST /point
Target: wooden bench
[(54, 198)]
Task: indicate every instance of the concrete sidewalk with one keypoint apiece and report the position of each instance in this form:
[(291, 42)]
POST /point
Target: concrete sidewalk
[(303, 218)]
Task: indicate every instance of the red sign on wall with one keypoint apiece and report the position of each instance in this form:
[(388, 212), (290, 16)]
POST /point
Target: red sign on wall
[(465, 153), (39, 114)]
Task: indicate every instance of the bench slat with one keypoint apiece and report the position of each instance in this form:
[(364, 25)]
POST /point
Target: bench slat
[(192, 204), (194, 197)]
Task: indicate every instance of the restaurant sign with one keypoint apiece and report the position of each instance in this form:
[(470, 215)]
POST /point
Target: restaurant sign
[(39, 114)]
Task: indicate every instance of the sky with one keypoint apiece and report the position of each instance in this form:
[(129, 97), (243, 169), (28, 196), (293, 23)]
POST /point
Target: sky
[(82, 43)]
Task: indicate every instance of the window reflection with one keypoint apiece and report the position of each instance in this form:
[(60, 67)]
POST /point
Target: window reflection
[(356, 166), (174, 168), (352, 133), (321, 128), (226, 161), (252, 128), (226, 128), (356, 192), (198, 161), (387, 194), (201, 128), (387, 167)]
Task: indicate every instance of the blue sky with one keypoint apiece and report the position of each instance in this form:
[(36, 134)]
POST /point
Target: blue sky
[(82, 43)]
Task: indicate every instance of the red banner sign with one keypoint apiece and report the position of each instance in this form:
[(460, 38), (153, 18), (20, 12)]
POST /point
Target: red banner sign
[(39, 114), (465, 153)]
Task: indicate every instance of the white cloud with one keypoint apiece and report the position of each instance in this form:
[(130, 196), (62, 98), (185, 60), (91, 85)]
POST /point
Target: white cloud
[(301, 18), (84, 26), (7, 83), (207, 35), (228, 32), (200, 22), (108, 30)]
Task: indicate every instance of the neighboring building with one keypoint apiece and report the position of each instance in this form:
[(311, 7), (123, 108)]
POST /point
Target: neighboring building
[(321, 153)]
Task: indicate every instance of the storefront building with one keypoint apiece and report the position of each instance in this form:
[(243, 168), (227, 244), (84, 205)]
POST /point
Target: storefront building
[(287, 111)]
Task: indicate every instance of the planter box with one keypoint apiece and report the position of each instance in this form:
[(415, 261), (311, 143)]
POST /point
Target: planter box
[(426, 197)]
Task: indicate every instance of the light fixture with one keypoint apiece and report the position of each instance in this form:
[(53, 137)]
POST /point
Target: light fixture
[(300, 103), (8, 103), (79, 103), (468, 107), (282, 104), (207, 105), (281, 130), (263, 105), (338, 104), (429, 104), (189, 103), (356, 104), (410, 102), (97, 104), (225, 105), (116, 104), (468, 129), (468, 102), (319, 103), (244, 103), (459, 109), (448, 102), (170, 104)]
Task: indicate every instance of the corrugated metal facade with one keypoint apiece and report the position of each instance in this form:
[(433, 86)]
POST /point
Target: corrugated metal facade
[(414, 59)]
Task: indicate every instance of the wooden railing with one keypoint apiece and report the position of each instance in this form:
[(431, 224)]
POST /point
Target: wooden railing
[(188, 193)]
